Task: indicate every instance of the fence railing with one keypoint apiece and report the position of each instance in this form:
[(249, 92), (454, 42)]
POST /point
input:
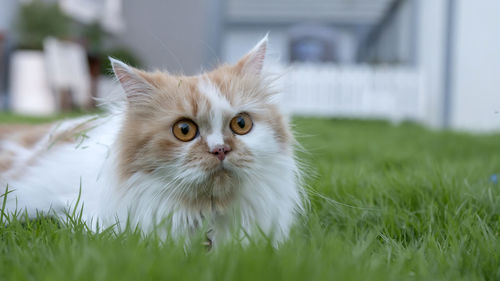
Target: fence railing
[(393, 93)]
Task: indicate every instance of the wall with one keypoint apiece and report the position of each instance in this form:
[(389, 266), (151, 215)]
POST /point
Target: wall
[(8, 9), (396, 44), (239, 40), (181, 36), (475, 103)]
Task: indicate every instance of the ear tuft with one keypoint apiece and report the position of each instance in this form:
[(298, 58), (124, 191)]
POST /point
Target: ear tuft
[(253, 62), (136, 88), (122, 71)]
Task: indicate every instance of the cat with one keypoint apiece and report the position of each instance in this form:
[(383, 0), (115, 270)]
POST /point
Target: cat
[(211, 149)]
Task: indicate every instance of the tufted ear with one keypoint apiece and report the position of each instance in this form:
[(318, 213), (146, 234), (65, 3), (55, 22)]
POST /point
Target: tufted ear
[(135, 86), (253, 61)]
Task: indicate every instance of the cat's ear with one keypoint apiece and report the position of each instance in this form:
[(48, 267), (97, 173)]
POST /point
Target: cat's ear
[(253, 61), (135, 86)]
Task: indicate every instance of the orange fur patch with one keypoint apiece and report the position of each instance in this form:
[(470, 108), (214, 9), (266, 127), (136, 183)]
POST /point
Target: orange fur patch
[(28, 136), (24, 135)]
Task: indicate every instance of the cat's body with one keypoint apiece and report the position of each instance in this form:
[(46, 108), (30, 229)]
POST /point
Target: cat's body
[(208, 150)]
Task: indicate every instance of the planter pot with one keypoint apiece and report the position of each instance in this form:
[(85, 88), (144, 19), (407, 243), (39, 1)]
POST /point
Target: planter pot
[(30, 92), (95, 71)]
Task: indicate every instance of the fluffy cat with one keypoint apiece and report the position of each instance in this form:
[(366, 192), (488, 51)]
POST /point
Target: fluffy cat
[(211, 149)]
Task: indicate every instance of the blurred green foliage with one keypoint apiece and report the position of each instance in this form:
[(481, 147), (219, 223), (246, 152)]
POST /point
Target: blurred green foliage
[(119, 53), (38, 20)]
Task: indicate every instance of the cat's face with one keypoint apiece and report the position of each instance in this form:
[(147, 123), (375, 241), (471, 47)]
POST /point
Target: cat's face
[(202, 135)]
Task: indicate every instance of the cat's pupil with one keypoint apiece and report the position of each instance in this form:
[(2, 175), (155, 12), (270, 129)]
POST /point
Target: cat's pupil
[(184, 128), (241, 122)]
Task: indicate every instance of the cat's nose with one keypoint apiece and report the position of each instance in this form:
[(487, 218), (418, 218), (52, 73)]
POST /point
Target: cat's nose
[(220, 151)]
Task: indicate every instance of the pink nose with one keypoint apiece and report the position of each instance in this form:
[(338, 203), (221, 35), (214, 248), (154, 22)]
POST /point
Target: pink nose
[(221, 151)]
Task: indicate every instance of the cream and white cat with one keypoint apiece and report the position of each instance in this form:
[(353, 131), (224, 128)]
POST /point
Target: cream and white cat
[(189, 150)]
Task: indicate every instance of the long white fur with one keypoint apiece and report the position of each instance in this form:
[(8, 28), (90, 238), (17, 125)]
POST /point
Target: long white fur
[(268, 194)]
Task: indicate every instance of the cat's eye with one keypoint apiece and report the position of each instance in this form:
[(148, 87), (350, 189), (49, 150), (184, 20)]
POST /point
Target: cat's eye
[(185, 130), (241, 124)]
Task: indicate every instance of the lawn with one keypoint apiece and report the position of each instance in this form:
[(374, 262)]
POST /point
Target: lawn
[(387, 203)]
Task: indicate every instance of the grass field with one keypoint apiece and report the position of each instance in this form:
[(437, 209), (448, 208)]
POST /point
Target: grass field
[(387, 203)]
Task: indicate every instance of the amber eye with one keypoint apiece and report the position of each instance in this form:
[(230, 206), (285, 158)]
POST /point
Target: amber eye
[(241, 124), (185, 130)]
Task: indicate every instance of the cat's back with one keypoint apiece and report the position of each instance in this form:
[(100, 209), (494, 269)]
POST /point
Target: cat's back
[(49, 154), (17, 139), (47, 166)]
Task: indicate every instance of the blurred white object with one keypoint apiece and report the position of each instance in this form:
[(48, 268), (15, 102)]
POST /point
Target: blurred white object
[(106, 86), (475, 67), (107, 12), (68, 72), (30, 92)]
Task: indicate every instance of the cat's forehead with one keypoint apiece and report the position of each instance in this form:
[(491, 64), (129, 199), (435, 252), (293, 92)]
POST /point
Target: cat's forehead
[(222, 87), (215, 93), (212, 92)]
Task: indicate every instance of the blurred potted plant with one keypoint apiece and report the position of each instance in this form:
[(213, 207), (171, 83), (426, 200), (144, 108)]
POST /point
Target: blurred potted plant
[(94, 37), (36, 21), (120, 53)]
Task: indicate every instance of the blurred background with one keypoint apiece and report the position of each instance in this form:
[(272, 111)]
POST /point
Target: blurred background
[(435, 62)]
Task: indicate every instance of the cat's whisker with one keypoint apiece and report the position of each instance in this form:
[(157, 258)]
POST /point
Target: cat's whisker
[(176, 59)]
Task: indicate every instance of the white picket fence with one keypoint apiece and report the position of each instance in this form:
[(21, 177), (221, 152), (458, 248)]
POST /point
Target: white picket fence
[(393, 93)]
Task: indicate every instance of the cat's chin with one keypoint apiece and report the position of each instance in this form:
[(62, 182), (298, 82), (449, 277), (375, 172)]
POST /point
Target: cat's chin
[(221, 175), (212, 188), (216, 193)]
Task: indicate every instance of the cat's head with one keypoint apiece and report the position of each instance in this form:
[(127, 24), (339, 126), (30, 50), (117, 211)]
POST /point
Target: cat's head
[(202, 136)]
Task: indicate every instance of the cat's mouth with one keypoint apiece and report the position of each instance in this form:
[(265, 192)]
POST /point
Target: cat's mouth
[(224, 171), (214, 165), (222, 167)]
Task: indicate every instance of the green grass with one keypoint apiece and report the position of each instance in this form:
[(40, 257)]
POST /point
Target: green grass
[(12, 118), (387, 203)]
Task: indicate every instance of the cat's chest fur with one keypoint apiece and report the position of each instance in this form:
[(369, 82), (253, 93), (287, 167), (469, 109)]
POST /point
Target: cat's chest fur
[(179, 151)]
